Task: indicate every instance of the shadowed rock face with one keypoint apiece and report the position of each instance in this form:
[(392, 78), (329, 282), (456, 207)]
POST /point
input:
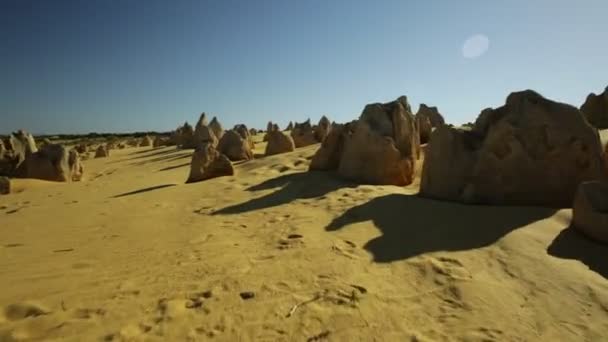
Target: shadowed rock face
[(303, 134), (102, 152), (322, 129), (380, 148), (432, 113), (184, 136), (203, 133), (5, 185), (278, 142), (234, 146), (590, 210), (208, 163), (145, 142), (13, 153), (595, 109), (531, 151), (243, 131)]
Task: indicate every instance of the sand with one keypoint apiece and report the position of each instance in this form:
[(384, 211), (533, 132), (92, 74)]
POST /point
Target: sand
[(280, 254)]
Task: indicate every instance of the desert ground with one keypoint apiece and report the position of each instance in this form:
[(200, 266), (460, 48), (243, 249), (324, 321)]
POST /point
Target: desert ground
[(277, 253)]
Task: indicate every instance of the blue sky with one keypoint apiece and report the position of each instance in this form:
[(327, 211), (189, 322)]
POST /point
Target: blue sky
[(130, 65)]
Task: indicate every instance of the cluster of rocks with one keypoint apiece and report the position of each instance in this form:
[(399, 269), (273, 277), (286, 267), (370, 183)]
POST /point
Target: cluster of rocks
[(20, 157)]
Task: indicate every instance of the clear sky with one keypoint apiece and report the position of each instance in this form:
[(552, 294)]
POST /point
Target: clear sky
[(136, 65)]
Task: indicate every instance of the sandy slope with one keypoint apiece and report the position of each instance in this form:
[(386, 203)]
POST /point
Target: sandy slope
[(133, 253)]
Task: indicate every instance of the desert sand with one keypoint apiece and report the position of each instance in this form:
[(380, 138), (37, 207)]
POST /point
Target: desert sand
[(277, 253)]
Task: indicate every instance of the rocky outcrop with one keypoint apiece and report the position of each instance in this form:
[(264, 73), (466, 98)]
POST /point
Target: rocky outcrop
[(328, 156), (203, 133), (322, 129), (5, 185), (303, 134), (102, 152), (234, 146), (208, 163), (383, 146), (146, 141), (216, 127), (379, 148), (590, 210), (432, 113), (278, 142), (531, 151), (243, 131), (595, 109), (50, 163), (424, 127)]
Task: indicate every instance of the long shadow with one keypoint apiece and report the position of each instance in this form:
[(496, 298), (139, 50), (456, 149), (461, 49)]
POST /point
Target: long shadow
[(412, 225), (570, 244), (166, 158), (157, 153), (152, 188), (302, 185), (168, 168)]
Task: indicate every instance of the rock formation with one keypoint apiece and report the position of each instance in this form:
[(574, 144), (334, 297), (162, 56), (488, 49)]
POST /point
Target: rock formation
[(322, 129), (76, 167), (243, 131), (531, 151), (424, 127), (234, 146), (5, 185), (16, 148), (590, 210), (203, 133), (303, 134), (102, 152), (146, 141), (278, 142), (183, 136), (595, 109), (289, 126), (50, 163), (216, 127), (383, 146), (328, 156), (208, 163), (432, 113)]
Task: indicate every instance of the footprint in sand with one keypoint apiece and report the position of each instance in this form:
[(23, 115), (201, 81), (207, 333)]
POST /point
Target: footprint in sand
[(19, 311)]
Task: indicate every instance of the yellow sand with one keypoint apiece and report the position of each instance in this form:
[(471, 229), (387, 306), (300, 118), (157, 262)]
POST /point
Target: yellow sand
[(133, 253)]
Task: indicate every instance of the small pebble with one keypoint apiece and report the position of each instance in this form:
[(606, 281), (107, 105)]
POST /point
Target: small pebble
[(247, 295)]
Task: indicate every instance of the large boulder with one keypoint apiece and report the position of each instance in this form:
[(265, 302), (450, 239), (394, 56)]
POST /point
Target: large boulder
[(590, 210), (270, 128), (234, 146), (303, 134), (243, 131), (5, 185), (432, 113), (278, 142), (102, 152), (208, 163), (203, 133), (595, 109), (424, 128), (383, 146), (322, 129), (146, 141), (328, 156), (50, 163), (216, 127), (76, 167), (531, 151)]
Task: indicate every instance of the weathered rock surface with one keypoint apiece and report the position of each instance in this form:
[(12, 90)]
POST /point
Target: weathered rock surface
[(278, 142), (590, 210), (234, 146), (303, 134), (208, 163), (595, 109), (102, 152), (322, 129), (531, 151), (216, 127)]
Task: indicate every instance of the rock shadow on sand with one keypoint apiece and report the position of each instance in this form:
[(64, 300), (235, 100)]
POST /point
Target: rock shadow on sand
[(570, 244), (293, 186), (152, 188), (412, 225)]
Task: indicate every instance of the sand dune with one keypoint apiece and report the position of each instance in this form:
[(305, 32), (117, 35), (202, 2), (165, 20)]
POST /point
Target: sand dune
[(277, 253)]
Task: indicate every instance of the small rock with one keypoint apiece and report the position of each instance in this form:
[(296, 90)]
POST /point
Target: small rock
[(247, 295)]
